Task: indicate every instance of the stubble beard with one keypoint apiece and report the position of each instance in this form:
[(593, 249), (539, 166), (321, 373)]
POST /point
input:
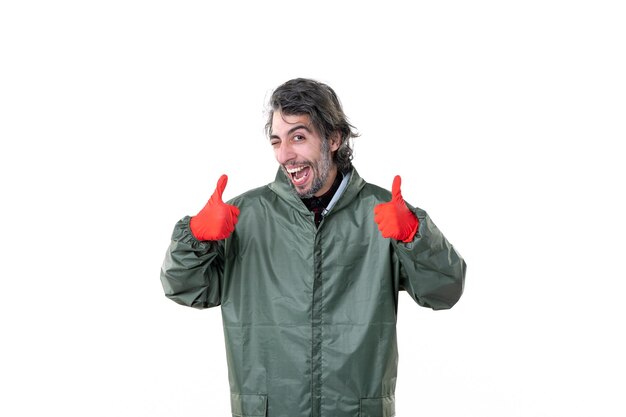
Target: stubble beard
[(321, 170)]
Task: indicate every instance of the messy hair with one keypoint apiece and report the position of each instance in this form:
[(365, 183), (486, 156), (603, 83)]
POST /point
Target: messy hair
[(317, 100)]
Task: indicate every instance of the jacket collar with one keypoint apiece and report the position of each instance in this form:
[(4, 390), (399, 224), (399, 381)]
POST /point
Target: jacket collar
[(283, 188)]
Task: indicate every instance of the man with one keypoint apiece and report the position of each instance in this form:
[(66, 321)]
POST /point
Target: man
[(307, 270)]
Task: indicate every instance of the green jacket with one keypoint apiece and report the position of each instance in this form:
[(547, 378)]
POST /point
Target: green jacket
[(309, 313)]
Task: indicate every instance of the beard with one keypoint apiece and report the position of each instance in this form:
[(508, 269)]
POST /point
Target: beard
[(320, 170)]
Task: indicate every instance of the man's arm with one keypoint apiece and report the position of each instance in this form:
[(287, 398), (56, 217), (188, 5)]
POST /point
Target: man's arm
[(192, 269), (194, 263), (431, 270)]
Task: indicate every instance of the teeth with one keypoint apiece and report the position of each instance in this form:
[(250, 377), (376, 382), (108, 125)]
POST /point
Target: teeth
[(294, 170)]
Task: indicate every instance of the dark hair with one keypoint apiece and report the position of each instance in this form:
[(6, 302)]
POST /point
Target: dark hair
[(320, 103)]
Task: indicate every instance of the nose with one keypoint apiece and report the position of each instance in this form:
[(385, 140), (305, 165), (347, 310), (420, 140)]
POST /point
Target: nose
[(284, 153)]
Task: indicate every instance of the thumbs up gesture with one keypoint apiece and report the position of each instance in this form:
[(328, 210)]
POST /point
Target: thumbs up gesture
[(216, 221), (394, 218)]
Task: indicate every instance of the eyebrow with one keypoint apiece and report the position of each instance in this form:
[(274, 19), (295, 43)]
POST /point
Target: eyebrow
[(293, 129)]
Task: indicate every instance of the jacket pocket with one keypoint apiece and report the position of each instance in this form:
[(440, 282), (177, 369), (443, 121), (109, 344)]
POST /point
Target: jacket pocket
[(378, 407), (248, 405)]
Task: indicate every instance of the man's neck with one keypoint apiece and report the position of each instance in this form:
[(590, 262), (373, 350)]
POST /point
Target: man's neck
[(317, 204)]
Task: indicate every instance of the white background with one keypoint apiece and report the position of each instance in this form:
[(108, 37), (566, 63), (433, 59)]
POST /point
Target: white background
[(503, 118)]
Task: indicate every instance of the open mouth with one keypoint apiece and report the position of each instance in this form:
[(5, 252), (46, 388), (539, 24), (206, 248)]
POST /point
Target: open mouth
[(299, 175)]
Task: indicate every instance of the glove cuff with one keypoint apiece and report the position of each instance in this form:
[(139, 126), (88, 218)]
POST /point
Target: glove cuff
[(414, 228)]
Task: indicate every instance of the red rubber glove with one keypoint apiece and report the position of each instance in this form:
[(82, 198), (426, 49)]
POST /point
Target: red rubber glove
[(216, 221), (394, 218)]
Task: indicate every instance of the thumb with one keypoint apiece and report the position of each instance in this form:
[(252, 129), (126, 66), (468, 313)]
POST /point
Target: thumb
[(219, 189), (396, 194)]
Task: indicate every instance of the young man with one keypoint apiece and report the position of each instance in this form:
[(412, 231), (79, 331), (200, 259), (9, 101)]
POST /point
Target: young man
[(307, 270)]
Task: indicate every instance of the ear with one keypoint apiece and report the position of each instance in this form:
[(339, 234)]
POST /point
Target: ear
[(335, 141)]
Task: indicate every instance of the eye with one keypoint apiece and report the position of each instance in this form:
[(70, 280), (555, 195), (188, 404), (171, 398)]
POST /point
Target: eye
[(274, 142), (298, 138)]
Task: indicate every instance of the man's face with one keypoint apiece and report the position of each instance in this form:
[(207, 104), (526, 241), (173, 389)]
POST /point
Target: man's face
[(306, 158)]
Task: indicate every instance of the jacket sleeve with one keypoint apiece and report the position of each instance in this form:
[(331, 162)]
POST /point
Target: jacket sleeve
[(431, 270), (192, 269)]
